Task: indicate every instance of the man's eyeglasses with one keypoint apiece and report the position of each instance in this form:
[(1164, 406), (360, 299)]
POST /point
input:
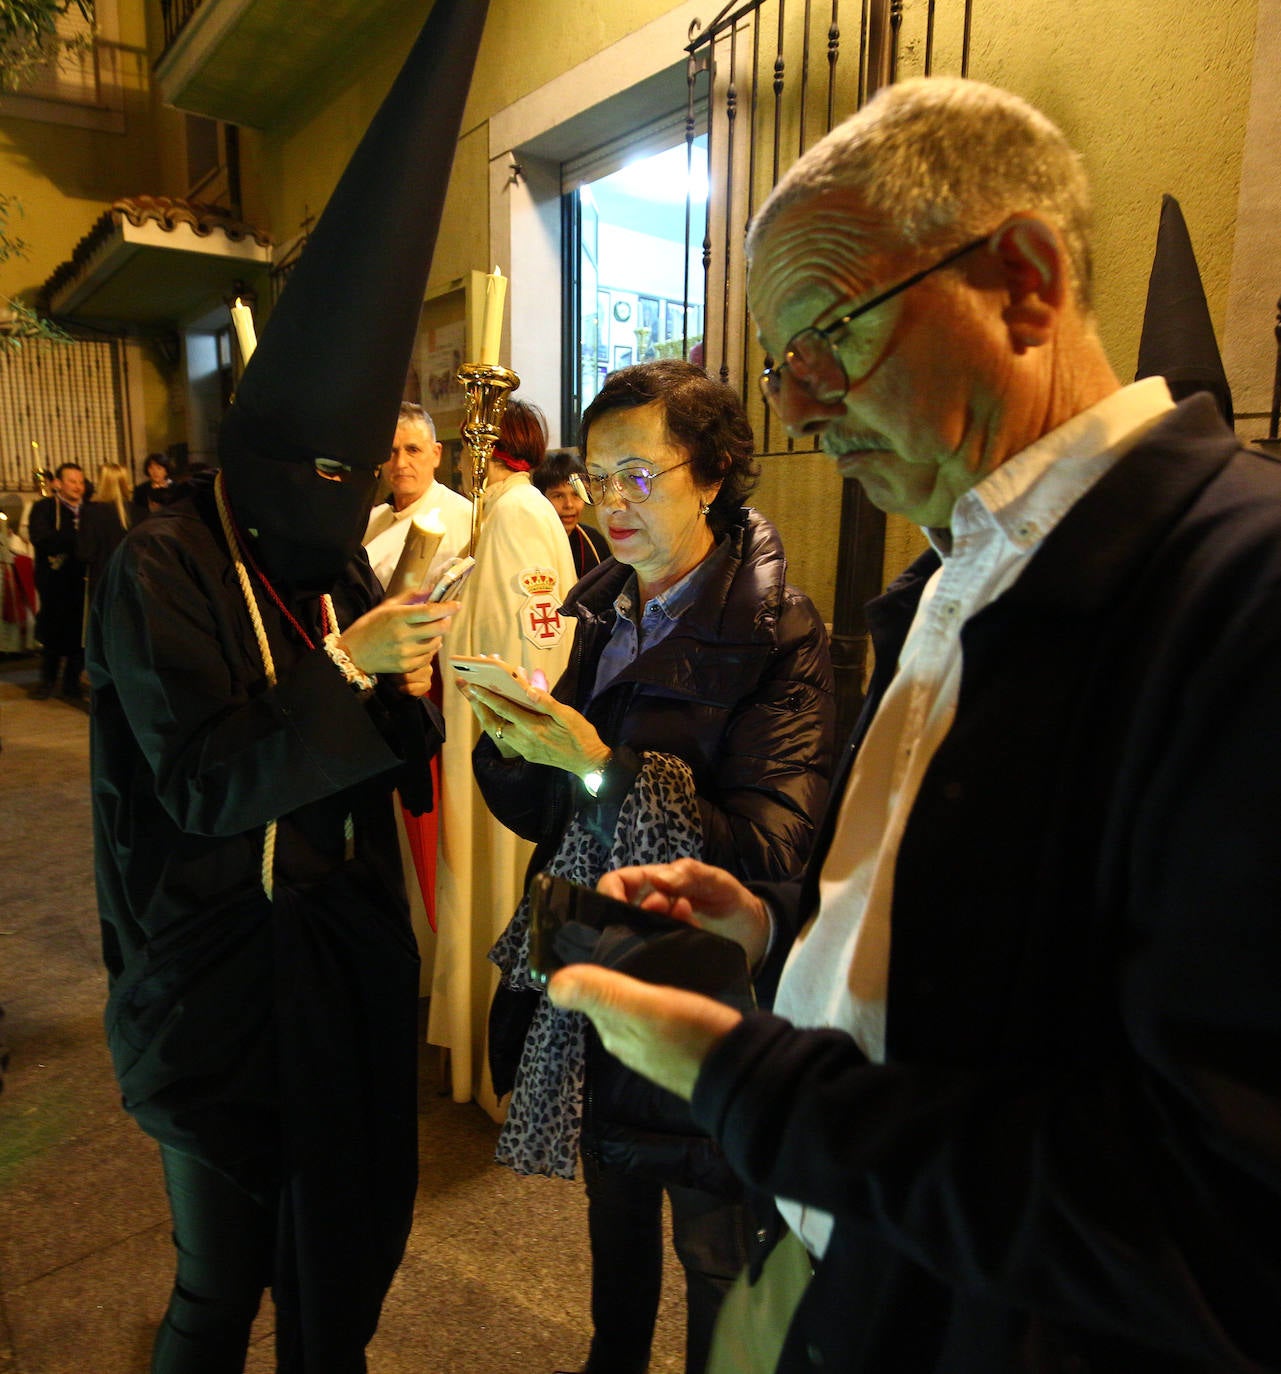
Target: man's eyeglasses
[(815, 365), (632, 484)]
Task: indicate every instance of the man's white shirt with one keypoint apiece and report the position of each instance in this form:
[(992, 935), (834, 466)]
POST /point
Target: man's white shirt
[(388, 527), (837, 972)]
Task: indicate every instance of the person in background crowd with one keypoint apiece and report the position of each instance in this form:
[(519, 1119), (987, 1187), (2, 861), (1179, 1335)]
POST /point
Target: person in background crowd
[(158, 488), (104, 521), (554, 478), (511, 607), (60, 584), (695, 720), (410, 473), (1019, 1103)]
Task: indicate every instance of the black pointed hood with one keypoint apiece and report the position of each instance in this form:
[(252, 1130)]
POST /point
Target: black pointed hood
[(1178, 339), (326, 378)]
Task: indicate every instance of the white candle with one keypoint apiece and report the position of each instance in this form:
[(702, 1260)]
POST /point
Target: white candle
[(491, 325), (243, 320)]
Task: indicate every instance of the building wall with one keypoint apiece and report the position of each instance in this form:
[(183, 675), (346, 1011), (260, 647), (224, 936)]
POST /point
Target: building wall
[(65, 176), (1154, 106)]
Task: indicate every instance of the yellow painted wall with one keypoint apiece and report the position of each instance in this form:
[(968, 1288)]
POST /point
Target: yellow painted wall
[(524, 46), (1155, 97), (65, 177), (1155, 105)]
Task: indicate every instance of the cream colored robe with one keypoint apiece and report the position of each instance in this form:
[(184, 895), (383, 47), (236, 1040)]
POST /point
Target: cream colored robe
[(523, 571)]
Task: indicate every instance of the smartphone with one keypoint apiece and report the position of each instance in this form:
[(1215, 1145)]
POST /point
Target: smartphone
[(569, 923), (452, 580), (493, 674)]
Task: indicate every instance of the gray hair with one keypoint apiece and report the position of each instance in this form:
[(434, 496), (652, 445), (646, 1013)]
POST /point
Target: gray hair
[(945, 160), (410, 411)]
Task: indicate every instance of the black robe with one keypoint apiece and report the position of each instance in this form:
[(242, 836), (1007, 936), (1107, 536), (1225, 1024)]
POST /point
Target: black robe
[(274, 1039)]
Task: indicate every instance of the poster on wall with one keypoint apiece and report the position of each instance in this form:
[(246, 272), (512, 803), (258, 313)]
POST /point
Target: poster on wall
[(432, 383), (440, 356)]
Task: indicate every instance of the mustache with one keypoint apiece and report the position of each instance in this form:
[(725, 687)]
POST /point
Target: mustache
[(837, 444)]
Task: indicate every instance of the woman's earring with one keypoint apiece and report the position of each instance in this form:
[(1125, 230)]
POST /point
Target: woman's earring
[(703, 508)]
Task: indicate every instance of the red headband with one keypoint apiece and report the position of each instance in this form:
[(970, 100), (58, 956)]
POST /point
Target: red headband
[(516, 464)]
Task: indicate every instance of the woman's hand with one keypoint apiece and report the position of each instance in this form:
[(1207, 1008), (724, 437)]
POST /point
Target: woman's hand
[(547, 732), (399, 635)]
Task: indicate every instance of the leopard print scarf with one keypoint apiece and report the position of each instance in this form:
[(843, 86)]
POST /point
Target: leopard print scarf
[(658, 822)]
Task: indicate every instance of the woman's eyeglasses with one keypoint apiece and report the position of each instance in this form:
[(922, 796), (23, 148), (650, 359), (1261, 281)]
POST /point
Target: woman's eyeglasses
[(632, 484)]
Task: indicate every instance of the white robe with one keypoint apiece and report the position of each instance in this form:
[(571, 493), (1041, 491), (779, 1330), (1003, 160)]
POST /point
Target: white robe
[(524, 569), (385, 534), (384, 540)]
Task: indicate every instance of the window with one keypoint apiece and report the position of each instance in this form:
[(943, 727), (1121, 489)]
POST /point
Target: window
[(634, 262), (63, 404)]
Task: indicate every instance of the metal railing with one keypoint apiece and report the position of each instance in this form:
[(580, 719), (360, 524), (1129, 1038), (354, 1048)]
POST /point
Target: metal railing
[(774, 76), (175, 15)]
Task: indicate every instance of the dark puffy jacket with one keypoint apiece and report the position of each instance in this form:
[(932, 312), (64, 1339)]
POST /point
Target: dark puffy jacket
[(741, 690)]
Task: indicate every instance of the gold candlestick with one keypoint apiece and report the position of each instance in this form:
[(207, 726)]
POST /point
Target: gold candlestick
[(486, 387)]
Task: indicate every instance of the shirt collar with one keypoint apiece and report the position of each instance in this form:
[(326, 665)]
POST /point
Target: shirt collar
[(1024, 498), (680, 596), (415, 506)]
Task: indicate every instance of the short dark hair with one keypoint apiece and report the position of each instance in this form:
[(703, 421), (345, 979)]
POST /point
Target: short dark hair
[(162, 459), (523, 432), (67, 467), (559, 465), (704, 416)]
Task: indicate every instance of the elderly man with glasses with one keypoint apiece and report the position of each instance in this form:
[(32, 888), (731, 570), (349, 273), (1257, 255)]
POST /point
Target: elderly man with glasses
[(1019, 1102)]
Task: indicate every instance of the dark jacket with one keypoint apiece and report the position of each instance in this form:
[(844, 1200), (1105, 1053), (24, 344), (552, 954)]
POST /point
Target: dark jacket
[(59, 573), (147, 500), (97, 539), (741, 690), (1071, 1159)]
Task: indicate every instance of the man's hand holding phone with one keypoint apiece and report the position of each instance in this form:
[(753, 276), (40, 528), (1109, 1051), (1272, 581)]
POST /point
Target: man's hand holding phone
[(699, 894), (661, 1032)]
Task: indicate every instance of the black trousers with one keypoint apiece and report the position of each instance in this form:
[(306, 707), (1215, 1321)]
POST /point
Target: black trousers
[(624, 1222), (225, 1239), (73, 666)]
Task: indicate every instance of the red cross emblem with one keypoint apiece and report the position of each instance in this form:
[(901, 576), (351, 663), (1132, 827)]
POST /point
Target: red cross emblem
[(544, 621)]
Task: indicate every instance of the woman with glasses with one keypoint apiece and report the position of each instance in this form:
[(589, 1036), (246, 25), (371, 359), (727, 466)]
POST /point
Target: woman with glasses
[(694, 720)]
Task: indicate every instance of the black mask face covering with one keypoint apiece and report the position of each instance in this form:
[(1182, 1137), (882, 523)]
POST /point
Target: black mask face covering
[(308, 527)]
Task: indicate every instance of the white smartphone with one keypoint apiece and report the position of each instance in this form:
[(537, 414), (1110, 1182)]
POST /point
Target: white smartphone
[(452, 580), (494, 675)]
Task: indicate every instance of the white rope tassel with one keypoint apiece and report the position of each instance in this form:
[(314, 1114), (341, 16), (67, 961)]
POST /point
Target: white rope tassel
[(349, 824), (264, 648), (269, 667)]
